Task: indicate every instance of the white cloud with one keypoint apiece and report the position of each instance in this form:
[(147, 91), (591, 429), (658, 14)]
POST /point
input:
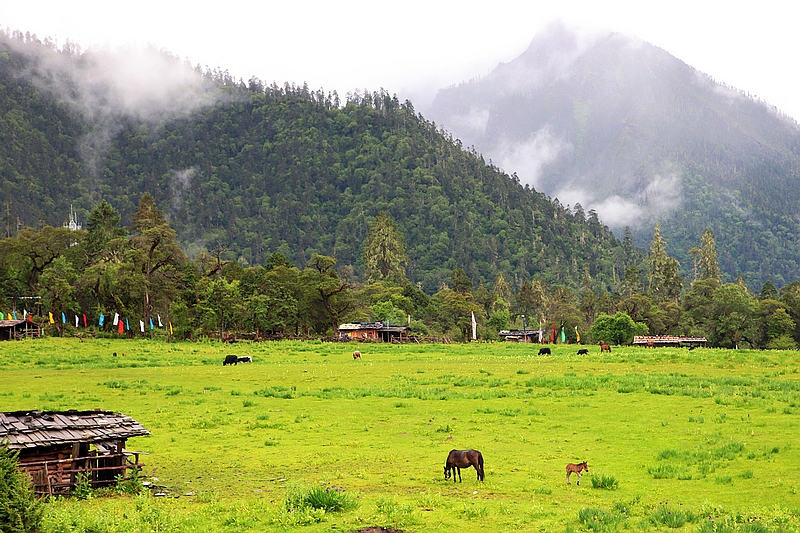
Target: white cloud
[(107, 86), (529, 158), (661, 195)]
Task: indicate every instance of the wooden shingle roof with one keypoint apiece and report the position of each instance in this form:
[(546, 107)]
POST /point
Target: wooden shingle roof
[(33, 429)]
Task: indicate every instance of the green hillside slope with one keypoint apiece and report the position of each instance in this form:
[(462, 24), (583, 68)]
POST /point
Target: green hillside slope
[(265, 169)]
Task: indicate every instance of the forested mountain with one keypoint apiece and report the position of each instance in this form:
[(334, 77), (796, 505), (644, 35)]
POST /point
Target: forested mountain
[(623, 127), (249, 170)]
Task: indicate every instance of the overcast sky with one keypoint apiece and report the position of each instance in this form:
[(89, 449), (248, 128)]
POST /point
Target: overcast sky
[(413, 47)]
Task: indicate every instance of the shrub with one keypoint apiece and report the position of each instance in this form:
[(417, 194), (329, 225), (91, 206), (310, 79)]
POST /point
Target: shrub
[(132, 485), (784, 342), (329, 499), (599, 520), (662, 471), (83, 486), (666, 515), (20, 511), (603, 481)]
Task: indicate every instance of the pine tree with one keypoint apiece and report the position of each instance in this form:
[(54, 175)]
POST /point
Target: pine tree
[(709, 267), (384, 251), (663, 279)]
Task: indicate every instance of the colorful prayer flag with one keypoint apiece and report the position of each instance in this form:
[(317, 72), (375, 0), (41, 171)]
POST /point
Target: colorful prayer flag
[(116, 318), (102, 319), (577, 335), (52, 321), (159, 322), (141, 325), (85, 323), (127, 325), (563, 336), (63, 317), (15, 315), (77, 320), (120, 327), (151, 322), (170, 328)]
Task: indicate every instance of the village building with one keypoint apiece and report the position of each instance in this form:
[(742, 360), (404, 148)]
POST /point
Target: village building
[(57, 449), (19, 329), (373, 331), (518, 335), (662, 341)]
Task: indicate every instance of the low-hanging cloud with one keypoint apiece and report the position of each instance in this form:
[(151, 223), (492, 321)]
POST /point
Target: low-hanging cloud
[(530, 157), (110, 87), (181, 179), (661, 195)]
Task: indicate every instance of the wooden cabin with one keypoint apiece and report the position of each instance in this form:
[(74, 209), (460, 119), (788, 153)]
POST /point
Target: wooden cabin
[(518, 335), (373, 331), (18, 329), (56, 447), (662, 341)]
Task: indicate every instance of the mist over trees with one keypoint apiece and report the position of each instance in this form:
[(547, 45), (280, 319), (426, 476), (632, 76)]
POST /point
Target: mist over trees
[(621, 126), (261, 169)]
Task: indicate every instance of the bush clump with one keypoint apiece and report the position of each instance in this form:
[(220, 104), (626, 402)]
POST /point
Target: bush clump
[(603, 481), (20, 511), (329, 499)]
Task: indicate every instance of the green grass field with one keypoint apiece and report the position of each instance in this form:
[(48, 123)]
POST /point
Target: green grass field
[(676, 440)]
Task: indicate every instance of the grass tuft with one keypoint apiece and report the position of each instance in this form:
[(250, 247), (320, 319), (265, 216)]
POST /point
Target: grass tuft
[(602, 481)]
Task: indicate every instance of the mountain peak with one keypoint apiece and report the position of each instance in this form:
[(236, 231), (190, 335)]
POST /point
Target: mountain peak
[(616, 124)]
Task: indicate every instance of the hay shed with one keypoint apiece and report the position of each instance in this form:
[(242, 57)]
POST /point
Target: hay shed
[(18, 329), (56, 447)]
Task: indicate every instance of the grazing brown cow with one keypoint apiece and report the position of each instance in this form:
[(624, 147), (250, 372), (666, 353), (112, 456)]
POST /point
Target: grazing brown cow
[(577, 469), (604, 347), (356, 355)]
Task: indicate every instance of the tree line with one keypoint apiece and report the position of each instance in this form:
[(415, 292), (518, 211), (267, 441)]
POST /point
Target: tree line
[(140, 272)]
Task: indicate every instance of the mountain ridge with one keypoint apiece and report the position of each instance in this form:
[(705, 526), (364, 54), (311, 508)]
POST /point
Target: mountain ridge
[(623, 127)]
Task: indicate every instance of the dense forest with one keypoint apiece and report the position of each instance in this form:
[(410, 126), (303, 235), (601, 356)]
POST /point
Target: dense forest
[(142, 278), (257, 169), (232, 208)]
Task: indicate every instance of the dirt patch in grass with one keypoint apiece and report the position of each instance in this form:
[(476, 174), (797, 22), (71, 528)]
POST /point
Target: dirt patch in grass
[(377, 530)]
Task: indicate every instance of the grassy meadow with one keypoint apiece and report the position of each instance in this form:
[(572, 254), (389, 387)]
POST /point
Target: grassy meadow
[(676, 440)]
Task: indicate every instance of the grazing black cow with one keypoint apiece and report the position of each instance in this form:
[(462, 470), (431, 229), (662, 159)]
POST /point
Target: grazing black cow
[(544, 351), (230, 360), (583, 351), (244, 359)]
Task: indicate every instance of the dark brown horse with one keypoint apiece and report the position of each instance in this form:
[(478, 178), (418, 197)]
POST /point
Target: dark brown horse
[(604, 347), (458, 459), (577, 469)]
